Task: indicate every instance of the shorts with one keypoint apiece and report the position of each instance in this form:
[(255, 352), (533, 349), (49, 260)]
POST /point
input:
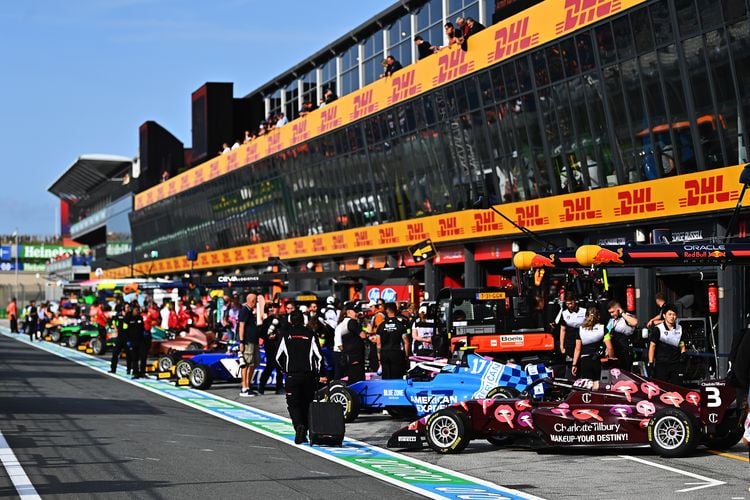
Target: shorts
[(251, 355)]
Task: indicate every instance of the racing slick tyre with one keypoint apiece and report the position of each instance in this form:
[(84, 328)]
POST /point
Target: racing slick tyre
[(672, 433), (502, 393), (55, 335), (73, 341), (200, 377), (97, 345), (728, 433), (447, 431), (183, 368), (348, 400), (194, 346), (164, 363)]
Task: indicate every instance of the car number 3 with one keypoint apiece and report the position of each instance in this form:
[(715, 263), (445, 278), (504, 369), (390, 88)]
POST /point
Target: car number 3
[(713, 397)]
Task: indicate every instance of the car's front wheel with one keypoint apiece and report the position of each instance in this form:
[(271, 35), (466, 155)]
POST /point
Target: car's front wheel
[(200, 377), (183, 368), (672, 433), (73, 341), (164, 363), (97, 345), (55, 335), (348, 400), (447, 431)]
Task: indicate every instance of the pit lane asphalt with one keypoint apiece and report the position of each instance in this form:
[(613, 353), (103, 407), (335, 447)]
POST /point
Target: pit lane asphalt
[(80, 434), (112, 463)]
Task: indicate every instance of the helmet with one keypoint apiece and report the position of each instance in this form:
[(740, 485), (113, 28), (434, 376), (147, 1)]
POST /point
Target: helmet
[(331, 300)]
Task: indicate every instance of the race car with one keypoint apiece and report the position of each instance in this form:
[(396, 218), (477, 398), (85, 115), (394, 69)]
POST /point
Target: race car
[(430, 386), (205, 368), (621, 410)]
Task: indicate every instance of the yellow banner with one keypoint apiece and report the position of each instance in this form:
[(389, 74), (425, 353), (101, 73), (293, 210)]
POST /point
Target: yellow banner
[(533, 27), (689, 194)]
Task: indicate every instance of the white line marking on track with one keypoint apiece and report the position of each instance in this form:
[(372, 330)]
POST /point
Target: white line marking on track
[(705, 482), (18, 477)]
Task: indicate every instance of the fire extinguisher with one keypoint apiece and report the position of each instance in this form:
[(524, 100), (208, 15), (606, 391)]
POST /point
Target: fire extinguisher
[(713, 298), (630, 298)]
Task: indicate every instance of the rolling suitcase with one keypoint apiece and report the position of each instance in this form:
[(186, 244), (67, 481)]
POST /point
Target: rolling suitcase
[(326, 424)]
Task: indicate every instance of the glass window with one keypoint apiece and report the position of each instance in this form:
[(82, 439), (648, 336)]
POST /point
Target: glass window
[(605, 42), (644, 40), (687, 19), (660, 22)]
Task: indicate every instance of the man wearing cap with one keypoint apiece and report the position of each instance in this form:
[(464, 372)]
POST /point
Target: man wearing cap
[(270, 332), (330, 313), (422, 330), (352, 355)]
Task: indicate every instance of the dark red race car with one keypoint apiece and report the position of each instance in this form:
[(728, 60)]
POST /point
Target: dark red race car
[(621, 410)]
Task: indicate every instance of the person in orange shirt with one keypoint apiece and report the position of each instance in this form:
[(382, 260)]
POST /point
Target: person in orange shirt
[(13, 315)]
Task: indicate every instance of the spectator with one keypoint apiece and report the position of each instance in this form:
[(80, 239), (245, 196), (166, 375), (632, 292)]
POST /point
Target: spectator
[(391, 66), (307, 107), (224, 149), (330, 96), (462, 28), (165, 176), (472, 27), (248, 137), (236, 145), (452, 35), (281, 120), (424, 47)]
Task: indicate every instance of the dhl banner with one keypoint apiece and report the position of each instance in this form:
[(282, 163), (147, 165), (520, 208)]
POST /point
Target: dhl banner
[(533, 27), (690, 194)]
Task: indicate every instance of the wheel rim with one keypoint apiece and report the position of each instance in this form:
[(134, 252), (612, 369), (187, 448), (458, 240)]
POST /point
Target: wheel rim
[(197, 376), (183, 370), (96, 345), (340, 398), (444, 431), (165, 364), (669, 432)]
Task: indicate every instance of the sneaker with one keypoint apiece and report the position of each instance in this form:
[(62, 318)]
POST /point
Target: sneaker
[(246, 393), (300, 434)]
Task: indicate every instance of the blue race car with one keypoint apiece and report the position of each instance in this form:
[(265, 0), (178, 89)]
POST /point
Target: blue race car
[(431, 386), (203, 369)]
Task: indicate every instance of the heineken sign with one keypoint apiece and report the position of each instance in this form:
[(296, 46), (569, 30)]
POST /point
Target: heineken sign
[(46, 252)]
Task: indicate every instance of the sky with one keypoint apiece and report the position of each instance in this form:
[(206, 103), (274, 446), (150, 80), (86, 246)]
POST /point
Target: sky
[(80, 76)]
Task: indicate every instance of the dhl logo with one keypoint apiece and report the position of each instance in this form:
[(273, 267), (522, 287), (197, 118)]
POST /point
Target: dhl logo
[(448, 226), (362, 239), (214, 258), (403, 86), (160, 192), (184, 182), (299, 247), (238, 255), (282, 249), (363, 105), (579, 209), (198, 176), (225, 257), (252, 254), (529, 216), (274, 142), (452, 65), (512, 39), (637, 201), (329, 118), (213, 170), (318, 244), (299, 131), (582, 12), (251, 153), (486, 222), (171, 188), (338, 242), (387, 235), (415, 231), (265, 251), (707, 191), (232, 161)]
